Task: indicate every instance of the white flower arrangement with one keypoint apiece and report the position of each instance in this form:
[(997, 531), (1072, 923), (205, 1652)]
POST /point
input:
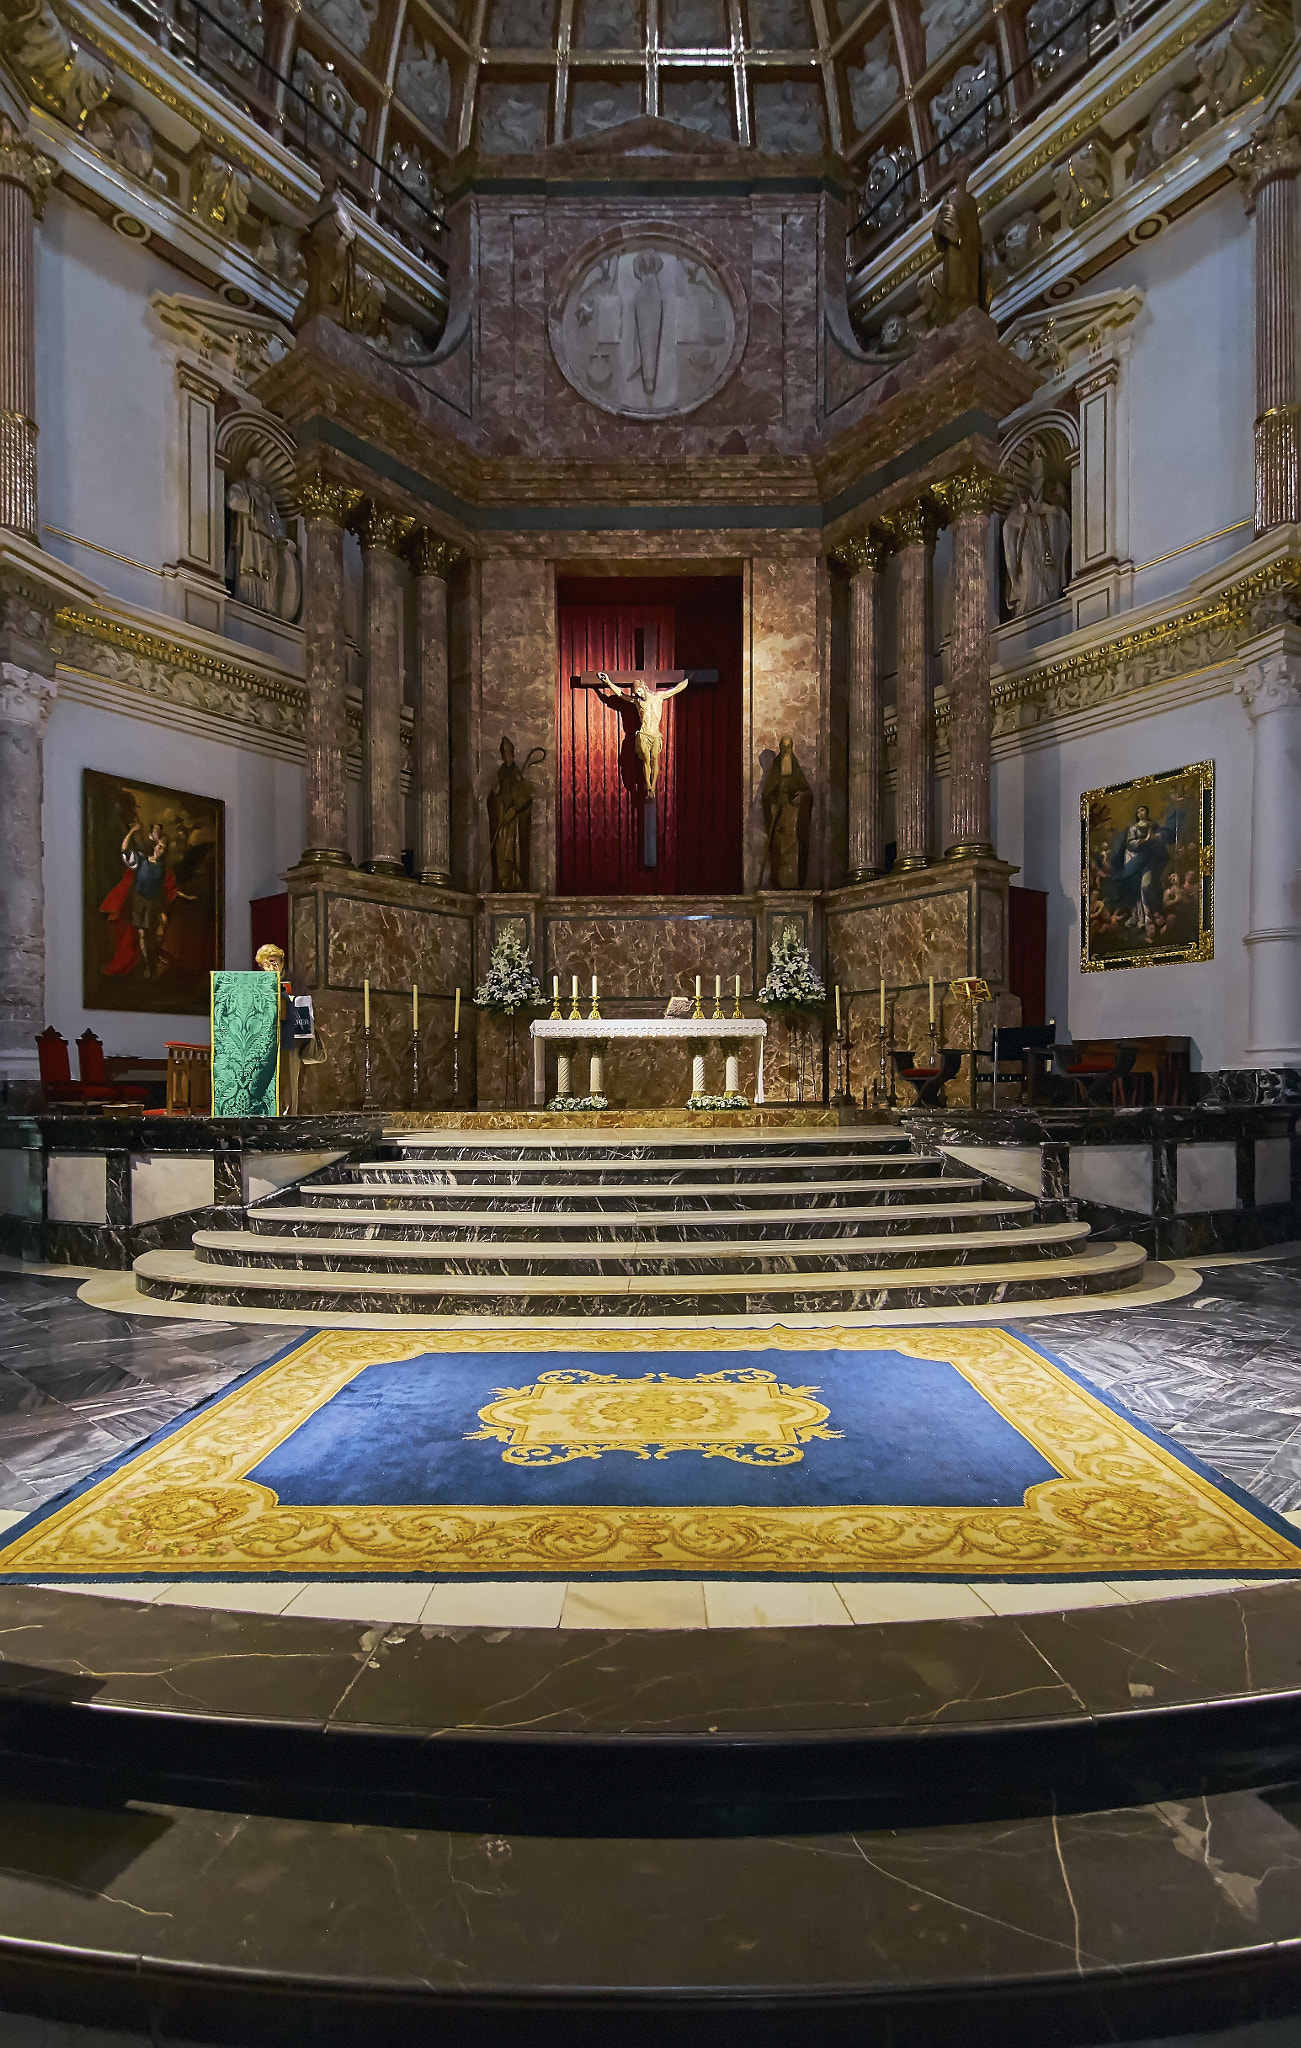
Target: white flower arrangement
[(575, 1102), (728, 1101), (510, 984), (792, 986)]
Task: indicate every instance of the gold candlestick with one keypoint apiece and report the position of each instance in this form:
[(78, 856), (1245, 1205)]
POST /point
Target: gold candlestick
[(697, 1012), (594, 1015), (718, 995), (555, 999), (736, 1007), (575, 1014)]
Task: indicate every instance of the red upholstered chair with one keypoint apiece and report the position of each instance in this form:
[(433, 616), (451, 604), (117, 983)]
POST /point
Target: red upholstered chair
[(57, 1085), (94, 1073)]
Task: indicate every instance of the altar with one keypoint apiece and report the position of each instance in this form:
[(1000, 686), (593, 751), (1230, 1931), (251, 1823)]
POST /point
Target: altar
[(569, 1034)]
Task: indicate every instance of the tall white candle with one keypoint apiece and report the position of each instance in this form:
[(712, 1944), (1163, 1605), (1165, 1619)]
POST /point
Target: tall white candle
[(738, 988), (718, 988), (932, 982), (415, 1009), (593, 988), (365, 1004), (883, 1002), (697, 988), (555, 988), (574, 997), (456, 1016), (837, 1009)]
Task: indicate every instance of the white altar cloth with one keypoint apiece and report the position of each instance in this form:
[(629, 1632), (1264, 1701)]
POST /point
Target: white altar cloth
[(606, 1029)]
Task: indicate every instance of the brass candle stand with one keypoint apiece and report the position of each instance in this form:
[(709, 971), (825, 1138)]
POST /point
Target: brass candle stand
[(456, 1067), (415, 1068), (973, 991), (883, 1089), (367, 1095)]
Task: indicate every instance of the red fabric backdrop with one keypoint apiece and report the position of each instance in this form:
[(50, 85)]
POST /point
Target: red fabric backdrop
[(690, 622)]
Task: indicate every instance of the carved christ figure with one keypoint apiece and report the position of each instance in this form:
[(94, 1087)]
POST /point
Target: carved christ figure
[(647, 691)]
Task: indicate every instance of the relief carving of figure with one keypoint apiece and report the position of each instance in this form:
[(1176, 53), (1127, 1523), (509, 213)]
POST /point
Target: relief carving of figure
[(510, 818), (1164, 133), (332, 119), (262, 565), (349, 21), (1236, 63), (513, 119), (124, 134), (787, 811), (958, 279), (648, 316), (1036, 543), (873, 84), (1082, 183), (424, 82), (63, 75), (702, 105)]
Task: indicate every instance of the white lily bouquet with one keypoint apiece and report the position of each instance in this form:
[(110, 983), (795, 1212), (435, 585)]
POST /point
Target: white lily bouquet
[(792, 987), (510, 984)]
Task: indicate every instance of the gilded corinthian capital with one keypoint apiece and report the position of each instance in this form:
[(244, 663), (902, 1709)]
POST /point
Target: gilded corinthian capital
[(376, 527), (429, 554), (20, 164), (865, 553), (971, 490), (1273, 152), (912, 526), (320, 497)]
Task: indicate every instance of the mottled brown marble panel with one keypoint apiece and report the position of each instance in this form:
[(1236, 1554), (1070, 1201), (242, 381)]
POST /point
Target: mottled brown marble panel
[(304, 953), (786, 690), (337, 1082), (517, 694), (645, 958), (393, 945), (906, 941), (993, 939)]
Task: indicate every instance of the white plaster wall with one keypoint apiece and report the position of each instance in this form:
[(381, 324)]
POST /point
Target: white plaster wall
[(264, 836), (106, 403), (1191, 381), (1037, 825)]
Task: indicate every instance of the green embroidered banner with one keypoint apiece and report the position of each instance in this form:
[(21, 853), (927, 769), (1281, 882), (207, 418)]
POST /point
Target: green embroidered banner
[(245, 1043)]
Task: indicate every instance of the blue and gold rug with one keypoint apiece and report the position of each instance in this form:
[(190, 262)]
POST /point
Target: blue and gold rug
[(933, 1453)]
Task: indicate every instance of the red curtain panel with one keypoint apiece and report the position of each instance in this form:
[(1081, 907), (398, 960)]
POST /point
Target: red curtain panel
[(690, 623)]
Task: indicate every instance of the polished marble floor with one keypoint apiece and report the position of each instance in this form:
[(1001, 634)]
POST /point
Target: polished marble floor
[(1219, 1370)]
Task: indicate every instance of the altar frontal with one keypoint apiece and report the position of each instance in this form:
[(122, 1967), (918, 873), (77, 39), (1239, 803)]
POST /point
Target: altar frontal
[(931, 1453)]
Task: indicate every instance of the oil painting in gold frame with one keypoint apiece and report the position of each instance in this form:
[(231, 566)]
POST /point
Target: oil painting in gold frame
[(1147, 870)]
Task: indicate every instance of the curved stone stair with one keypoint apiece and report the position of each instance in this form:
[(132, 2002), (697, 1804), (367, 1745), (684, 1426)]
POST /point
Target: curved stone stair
[(641, 1224)]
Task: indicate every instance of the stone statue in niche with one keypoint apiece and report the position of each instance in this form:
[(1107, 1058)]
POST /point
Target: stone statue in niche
[(958, 279), (262, 566), (510, 820), (646, 330), (1036, 542), (787, 811)]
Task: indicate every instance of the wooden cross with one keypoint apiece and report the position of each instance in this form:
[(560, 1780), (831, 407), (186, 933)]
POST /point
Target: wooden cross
[(646, 690)]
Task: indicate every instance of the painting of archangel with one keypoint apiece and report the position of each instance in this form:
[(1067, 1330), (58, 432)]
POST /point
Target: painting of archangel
[(153, 896), (1148, 870)]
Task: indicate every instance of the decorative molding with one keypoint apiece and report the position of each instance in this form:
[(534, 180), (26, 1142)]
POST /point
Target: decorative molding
[(971, 490), (377, 527), (186, 675), (1273, 152), (1270, 684), (912, 526), (320, 497), (233, 345), (863, 551), (430, 555)]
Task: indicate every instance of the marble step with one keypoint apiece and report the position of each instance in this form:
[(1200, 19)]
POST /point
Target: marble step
[(495, 1258), (638, 1174), (274, 1219), (1102, 1267), (871, 1138), (598, 1198)]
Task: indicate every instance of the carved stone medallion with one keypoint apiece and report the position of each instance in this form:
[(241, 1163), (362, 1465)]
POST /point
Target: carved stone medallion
[(648, 324)]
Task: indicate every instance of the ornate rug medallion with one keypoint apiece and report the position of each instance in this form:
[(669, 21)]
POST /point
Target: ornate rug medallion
[(746, 1415)]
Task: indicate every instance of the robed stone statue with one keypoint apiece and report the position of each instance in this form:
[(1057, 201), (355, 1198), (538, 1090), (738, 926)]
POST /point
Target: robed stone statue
[(1036, 544), (787, 811), (958, 279), (510, 820)]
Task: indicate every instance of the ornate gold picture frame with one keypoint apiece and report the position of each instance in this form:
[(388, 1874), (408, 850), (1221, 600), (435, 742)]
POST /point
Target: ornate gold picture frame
[(1147, 870)]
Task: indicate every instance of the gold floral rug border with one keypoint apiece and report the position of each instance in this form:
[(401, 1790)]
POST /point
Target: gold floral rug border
[(1123, 1503)]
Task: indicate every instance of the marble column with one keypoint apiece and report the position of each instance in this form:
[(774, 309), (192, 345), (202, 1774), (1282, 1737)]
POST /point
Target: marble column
[(1268, 169), (431, 558), (325, 507), (381, 534), (969, 499), (26, 698), (913, 531), (1270, 689), (24, 181), (864, 556)]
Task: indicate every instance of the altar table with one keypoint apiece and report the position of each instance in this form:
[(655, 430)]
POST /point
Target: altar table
[(598, 1032)]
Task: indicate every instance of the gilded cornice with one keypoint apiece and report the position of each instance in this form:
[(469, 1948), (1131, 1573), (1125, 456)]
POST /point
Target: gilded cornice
[(971, 490), (912, 525), (1273, 152), (178, 672), (863, 551), (322, 497)]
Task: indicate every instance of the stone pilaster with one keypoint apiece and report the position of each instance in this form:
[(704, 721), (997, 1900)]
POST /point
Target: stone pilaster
[(26, 698), (969, 500), (913, 532), (381, 534), (325, 507), (1270, 689), (1268, 169), (24, 181), (863, 557), (431, 558)]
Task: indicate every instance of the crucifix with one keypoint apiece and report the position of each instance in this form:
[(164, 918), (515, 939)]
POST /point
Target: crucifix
[(646, 690)]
